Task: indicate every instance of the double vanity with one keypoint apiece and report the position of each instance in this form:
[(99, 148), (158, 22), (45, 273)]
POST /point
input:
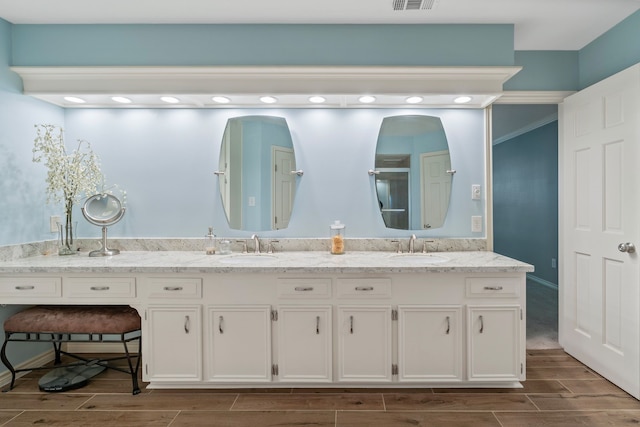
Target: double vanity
[(302, 318)]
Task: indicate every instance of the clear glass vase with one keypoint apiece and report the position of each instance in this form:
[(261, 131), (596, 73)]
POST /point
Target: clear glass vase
[(66, 237)]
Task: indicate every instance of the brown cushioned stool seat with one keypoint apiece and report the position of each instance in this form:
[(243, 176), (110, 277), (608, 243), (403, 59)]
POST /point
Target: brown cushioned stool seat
[(67, 323)]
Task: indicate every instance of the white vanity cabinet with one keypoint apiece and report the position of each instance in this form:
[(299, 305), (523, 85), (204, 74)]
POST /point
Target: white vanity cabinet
[(495, 350), (239, 343), (372, 320), (364, 343), (305, 337), (173, 343), (430, 340), (172, 328)]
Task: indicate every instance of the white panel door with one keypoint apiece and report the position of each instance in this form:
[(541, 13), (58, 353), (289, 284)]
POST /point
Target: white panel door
[(429, 343), (364, 343), (284, 186), (599, 194), (240, 343), (435, 187), (304, 343)]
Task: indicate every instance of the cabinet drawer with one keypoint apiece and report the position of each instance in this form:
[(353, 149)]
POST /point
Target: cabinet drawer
[(490, 287), (100, 287), (364, 288), (34, 287), (304, 288), (175, 288)]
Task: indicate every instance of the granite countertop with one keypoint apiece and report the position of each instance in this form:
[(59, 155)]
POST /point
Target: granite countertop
[(373, 262)]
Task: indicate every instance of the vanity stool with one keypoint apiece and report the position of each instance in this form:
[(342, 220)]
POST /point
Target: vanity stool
[(59, 324)]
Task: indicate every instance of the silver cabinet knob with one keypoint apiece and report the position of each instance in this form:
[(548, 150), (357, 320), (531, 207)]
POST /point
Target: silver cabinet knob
[(627, 247)]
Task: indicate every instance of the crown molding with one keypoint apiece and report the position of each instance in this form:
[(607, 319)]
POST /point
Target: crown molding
[(533, 97)]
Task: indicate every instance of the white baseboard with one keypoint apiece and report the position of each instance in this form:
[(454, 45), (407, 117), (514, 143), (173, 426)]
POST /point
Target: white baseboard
[(35, 362), (542, 282)]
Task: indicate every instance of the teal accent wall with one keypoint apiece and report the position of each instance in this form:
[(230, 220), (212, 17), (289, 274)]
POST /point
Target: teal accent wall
[(545, 70), (614, 51), (525, 202), (254, 44)]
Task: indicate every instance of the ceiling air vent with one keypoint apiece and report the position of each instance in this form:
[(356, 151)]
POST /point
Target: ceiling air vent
[(414, 4)]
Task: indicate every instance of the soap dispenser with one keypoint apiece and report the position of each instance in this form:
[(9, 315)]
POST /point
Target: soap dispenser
[(210, 242), (337, 238)]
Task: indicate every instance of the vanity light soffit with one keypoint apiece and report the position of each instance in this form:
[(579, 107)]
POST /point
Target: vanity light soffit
[(390, 84)]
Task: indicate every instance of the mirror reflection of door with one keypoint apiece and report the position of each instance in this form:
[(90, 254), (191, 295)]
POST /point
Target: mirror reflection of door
[(392, 186), (253, 196), (416, 195), (283, 186), (435, 187)]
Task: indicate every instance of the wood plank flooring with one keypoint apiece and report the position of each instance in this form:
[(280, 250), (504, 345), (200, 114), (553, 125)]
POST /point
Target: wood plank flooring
[(560, 392)]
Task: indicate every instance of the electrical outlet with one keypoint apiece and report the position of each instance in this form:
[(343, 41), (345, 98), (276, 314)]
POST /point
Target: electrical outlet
[(476, 224), (252, 201), (54, 220)]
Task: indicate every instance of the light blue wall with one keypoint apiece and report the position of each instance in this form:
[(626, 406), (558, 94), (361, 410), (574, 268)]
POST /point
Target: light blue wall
[(615, 50), (263, 44), (22, 198), (545, 70), (23, 206), (165, 160)]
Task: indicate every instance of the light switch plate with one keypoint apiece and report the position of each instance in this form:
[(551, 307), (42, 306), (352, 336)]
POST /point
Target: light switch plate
[(475, 192), (476, 224)]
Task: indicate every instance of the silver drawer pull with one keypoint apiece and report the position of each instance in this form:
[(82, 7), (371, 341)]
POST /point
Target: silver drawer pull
[(99, 288), (364, 288), (173, 288), (493, 288), (303, 288), (25, 288)]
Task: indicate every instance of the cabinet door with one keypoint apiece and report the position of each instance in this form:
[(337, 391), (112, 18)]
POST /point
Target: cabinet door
[(494, 343), (304, 343), (174, 347), (429, 343), (364, 343), (240, 343)]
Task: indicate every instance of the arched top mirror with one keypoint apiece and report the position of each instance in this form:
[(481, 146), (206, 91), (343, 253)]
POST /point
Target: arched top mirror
[(413, 172), (257, 173)]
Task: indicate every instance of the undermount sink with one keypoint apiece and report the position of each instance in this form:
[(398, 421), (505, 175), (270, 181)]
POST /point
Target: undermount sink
[(419, 258), (248, 259)]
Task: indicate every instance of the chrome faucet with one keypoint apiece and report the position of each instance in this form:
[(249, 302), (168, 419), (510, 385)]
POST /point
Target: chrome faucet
[(256, 243), (412, 243)]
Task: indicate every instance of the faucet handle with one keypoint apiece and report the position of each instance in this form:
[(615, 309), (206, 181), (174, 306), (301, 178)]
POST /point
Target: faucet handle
[(399, 245), (244, 245), (270, 248), (424, 245)]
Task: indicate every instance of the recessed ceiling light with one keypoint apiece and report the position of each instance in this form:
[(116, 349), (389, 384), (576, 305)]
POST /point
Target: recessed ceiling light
[(414, 100), (269, 99), (169, 99), (220, 99), (121, 99), (462, 99), (367, 99), (317, 99), (74, 99)]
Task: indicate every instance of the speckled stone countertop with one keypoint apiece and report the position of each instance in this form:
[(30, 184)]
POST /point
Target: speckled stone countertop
[(301, 262)]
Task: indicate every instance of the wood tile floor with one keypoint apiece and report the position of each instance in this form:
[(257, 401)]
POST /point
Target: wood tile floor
[(560, 392)]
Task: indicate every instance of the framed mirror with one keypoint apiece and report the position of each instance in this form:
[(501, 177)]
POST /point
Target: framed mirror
[(103, 210), (413, 172), (257, 173)]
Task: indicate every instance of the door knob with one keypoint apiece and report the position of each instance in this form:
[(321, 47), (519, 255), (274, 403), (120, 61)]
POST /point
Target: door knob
[(627, 247)]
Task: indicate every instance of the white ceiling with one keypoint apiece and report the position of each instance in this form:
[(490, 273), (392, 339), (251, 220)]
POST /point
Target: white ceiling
[(539, 24)]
